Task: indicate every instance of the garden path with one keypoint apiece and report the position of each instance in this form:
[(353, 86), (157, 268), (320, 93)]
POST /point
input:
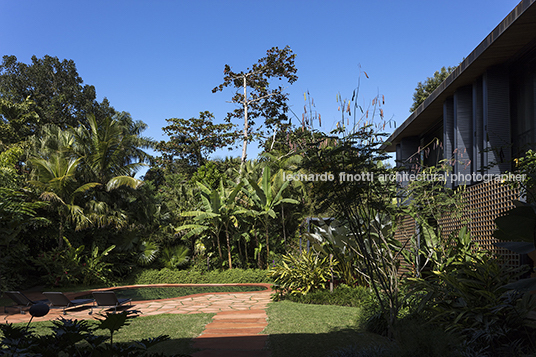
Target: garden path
[(235, 329)]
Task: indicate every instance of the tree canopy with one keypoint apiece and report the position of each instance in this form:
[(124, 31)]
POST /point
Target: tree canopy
[(192, 140), (424, 89), (261, 100), (56, 91)]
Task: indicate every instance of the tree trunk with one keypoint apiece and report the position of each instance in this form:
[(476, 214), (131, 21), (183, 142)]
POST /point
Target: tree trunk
[(259, 264), (267, 246), (240, 249), (60, 238), (219, 245), (228, 248), (283, 223), (246, 129), (246, 252)]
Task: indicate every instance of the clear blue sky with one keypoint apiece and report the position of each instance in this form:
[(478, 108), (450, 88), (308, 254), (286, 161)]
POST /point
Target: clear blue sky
[(160, 59)]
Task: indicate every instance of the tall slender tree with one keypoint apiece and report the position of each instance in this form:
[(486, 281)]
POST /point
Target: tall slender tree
[(256, 98), (424, 89)]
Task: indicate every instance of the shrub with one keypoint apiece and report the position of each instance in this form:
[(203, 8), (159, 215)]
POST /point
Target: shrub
[(232, 276), (342, 295), (301, 274), (70, 265), (471, 299)]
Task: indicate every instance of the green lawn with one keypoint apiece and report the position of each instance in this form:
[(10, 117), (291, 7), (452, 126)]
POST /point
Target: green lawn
[(180, 328), (295, 329), (314, 330)]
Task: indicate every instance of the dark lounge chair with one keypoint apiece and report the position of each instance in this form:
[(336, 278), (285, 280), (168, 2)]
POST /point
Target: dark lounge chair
[(21, 300), (59, 300), (109, 299)]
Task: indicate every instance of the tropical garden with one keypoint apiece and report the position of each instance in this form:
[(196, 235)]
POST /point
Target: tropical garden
[(73, 215)]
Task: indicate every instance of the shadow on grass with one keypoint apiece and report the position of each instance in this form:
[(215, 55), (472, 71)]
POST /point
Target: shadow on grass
[(278, 345), (322, 344)]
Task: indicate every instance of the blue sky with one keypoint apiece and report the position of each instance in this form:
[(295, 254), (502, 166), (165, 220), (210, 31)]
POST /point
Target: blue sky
[(161, 59)]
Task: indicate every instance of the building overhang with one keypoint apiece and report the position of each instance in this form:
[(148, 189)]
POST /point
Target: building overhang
[(509, 40)]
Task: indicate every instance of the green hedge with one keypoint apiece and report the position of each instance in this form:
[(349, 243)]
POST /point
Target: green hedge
[(168, 276), (358, 296)]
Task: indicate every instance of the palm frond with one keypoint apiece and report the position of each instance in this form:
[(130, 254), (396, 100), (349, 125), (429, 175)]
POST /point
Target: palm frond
[(119, 181)]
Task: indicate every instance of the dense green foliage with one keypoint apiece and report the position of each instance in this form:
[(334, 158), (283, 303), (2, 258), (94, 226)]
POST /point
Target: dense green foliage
[(471, 298), (342, 295), (66, 174), (72, 211), (424, 89), (192, 141), (166, 276), (56, 94), (70, 266)]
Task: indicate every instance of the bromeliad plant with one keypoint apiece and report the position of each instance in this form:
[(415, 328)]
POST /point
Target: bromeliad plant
[(300, 274)]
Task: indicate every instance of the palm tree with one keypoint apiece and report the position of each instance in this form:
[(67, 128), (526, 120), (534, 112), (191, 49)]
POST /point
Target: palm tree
[(111, 150), (101, 157), (56, 178)]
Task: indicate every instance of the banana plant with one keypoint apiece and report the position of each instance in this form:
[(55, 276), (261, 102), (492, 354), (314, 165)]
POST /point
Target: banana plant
[(219, 210), (265, 199)]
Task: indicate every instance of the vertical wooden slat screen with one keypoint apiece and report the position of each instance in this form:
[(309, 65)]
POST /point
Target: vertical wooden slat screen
[(484, 202), (405, 230)]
